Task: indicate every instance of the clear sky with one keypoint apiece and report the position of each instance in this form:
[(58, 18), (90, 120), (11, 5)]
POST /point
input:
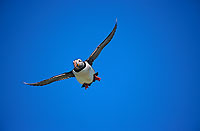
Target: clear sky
[(150, 69)]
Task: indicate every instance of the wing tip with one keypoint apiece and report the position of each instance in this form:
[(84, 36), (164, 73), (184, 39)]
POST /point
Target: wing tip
[(26, 83), (116, 23), (31, 84)]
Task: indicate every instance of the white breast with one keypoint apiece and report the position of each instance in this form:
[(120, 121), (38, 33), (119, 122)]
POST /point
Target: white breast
[(86, 75)]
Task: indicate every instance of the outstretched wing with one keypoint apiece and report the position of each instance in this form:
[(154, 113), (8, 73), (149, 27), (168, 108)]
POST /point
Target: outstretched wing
[(52, 79), (98, 50)]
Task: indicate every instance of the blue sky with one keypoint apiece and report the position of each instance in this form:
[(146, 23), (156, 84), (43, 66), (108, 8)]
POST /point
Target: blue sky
[(149, 71)]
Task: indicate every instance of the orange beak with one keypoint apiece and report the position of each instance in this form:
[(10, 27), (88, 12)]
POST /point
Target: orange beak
[(74, 63)]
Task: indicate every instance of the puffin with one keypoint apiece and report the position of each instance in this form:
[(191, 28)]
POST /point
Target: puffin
[(83, 70)]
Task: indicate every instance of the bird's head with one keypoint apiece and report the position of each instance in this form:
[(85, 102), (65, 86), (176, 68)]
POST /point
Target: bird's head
[(78, 64)]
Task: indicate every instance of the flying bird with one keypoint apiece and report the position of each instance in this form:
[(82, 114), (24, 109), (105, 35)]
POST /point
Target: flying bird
[(83, 70)]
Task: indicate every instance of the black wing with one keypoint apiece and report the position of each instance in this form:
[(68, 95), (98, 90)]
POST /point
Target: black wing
[(52, 79), (98, 50)]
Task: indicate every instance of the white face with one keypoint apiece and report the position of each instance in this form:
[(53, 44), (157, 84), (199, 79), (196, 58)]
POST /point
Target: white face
[(78, 63)]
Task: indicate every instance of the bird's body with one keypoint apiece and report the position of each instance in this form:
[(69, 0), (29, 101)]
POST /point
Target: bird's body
[(86, 75), (83, 70)]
